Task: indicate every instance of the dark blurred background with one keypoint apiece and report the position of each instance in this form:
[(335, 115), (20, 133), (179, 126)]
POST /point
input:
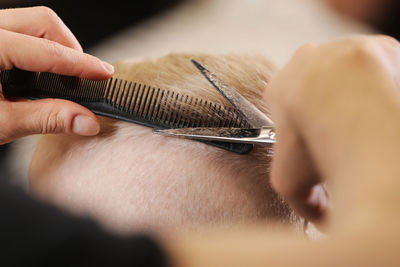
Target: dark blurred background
[(383, 15), (91, 21)]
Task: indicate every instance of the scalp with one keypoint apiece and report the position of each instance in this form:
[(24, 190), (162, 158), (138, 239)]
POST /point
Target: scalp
[(130, 179)]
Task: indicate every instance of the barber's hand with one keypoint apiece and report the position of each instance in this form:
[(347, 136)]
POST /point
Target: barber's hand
[(35, 39), (337, 112)]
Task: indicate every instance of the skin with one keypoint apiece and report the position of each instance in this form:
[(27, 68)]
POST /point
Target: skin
[(130, 180), (35, 39), (325, 134), (337, 110)]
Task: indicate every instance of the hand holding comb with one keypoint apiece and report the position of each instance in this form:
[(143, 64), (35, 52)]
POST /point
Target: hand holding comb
[(127, 101)]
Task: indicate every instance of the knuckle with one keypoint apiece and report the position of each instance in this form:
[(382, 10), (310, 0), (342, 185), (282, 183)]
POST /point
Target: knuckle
[(51, 21), (390, 42), (48, 13), (51, 122), (52, 26), (54, 48), (359, 53), (388, 39), (305, 48)]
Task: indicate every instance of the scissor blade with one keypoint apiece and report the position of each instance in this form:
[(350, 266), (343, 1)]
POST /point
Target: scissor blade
[(264, 135), (253, 115)]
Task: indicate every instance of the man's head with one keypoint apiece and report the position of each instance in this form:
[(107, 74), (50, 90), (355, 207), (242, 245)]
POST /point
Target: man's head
[(130, 179)]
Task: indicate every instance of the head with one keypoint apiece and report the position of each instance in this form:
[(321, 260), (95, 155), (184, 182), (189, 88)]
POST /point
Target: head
[(131, 180)]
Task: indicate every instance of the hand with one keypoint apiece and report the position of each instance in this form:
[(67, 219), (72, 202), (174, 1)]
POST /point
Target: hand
[(337, 113), (35, 39), (336, 109)]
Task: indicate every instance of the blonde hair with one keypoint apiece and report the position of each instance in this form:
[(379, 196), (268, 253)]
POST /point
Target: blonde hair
[(176, 72), (249, 74)]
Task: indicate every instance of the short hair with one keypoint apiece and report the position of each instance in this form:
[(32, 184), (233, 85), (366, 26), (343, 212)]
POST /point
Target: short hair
[(193, 183)]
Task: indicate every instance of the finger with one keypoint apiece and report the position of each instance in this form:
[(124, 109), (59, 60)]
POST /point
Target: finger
[(35, 54), (39, 22), (292, 174), (45, 116), (295, 178)]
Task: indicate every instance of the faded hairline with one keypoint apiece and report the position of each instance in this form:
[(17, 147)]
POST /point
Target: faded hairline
[(249, 74)]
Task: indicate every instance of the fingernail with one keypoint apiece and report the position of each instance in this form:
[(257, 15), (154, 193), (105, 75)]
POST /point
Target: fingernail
[(108, 67), (84, 125)]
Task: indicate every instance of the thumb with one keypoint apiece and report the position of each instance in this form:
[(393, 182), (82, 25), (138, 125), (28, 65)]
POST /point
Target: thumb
[(48, 116)]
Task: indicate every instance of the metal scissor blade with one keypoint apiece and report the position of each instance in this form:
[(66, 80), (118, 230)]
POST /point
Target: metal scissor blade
[(253, 115), (263, 135)]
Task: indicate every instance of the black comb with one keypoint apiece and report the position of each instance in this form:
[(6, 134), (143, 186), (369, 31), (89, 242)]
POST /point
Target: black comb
[(127, 101)]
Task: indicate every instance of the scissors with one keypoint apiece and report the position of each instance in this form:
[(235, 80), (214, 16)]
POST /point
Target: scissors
[(262, 131)]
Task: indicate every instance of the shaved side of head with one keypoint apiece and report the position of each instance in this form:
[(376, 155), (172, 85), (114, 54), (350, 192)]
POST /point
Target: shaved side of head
[(131, 180)]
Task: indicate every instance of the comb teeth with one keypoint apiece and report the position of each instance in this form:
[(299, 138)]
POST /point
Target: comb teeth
[(133, 102), (169, 109), (158, 107)]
